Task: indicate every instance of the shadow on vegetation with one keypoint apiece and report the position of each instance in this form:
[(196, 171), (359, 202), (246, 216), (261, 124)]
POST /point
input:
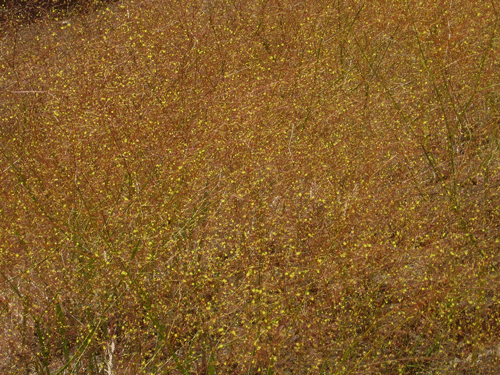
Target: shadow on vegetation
[(27, 11)]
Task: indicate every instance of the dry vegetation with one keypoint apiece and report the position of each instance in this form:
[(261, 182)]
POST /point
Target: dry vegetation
[(251, 187)]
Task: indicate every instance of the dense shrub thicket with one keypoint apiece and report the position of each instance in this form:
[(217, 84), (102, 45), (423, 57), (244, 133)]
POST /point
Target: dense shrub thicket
[(251, 187)]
